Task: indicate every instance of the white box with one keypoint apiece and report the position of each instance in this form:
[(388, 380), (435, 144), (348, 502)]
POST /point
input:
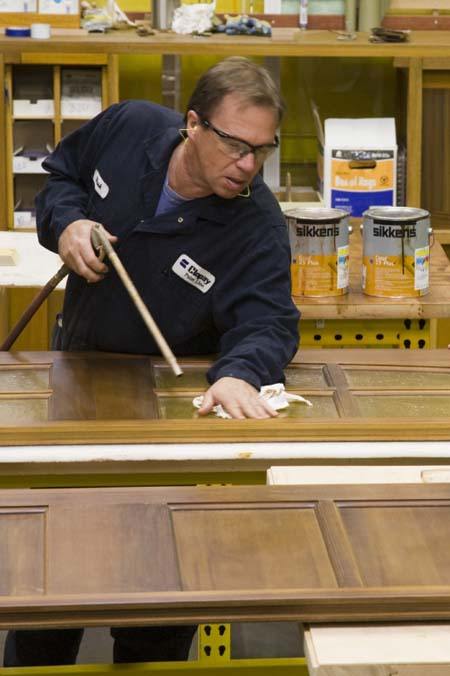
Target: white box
[(24, 219), (28, 165), (359, 159), (29, 109)]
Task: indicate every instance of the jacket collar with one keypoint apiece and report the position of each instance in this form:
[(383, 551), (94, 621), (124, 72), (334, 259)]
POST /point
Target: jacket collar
[(160, 147)]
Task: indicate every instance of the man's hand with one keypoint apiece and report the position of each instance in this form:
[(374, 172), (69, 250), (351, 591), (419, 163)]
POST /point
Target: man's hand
[(238, 398), (76, 250)]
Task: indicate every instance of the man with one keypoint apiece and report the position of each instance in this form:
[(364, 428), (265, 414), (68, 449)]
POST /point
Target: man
[(206, 245)]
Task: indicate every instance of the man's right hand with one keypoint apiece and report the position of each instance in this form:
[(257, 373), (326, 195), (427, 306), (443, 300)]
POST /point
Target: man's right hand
[(76, 250)]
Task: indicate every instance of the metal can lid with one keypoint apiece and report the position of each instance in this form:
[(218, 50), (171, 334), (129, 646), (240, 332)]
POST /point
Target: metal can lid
[(317, 214), (397, 214)]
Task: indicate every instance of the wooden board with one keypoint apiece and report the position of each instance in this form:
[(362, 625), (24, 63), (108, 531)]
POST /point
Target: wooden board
[(354, 474), (206, 554), (284, 42), (385, 650), (356, 394)]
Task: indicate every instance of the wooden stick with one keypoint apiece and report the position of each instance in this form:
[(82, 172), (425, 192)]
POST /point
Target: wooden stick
[(100, 240), (33, 307)]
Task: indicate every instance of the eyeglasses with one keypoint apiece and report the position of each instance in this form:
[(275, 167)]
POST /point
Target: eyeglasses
[(236, 148)]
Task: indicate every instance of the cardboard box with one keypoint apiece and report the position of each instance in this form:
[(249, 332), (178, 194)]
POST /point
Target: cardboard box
[(357, 163), (81, 95)]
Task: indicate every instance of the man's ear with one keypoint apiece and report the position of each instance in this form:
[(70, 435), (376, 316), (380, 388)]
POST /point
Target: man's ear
[(192, 120)]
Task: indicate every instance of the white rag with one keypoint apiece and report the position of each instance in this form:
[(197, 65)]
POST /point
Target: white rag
[(274, 394), (196, 18)]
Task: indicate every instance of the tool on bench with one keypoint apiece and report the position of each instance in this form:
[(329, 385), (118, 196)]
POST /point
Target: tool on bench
[(103, 247)]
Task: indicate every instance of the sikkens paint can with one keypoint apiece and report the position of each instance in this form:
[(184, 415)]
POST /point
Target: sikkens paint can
[(319, 239), (396, 252)]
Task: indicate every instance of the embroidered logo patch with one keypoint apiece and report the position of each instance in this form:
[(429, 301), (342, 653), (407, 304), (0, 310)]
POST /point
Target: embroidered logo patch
[(100, 186), (193, 274)]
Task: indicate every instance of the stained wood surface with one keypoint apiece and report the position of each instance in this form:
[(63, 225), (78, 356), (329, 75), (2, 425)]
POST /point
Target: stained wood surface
[(205, 554), (371, 649), (73, 398)]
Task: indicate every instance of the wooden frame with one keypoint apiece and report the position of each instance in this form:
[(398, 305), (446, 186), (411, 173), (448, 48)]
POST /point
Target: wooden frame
[(125, 401)]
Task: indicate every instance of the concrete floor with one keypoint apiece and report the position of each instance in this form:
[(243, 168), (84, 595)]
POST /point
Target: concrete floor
[(270, 639)]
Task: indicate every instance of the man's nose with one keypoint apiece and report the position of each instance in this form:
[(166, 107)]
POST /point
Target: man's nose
[(247, 163)]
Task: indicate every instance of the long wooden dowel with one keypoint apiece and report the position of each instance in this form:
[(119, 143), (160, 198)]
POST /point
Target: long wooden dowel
[(33, 307), (100, 240)]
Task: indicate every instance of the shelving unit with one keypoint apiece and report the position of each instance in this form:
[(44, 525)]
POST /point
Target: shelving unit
[(45, 99)]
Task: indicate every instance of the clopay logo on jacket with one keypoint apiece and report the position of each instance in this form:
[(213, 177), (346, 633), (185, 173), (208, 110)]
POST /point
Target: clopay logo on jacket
[(193, 274)]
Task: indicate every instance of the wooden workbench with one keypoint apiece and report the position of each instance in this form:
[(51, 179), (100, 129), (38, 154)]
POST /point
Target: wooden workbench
[(357, 305)]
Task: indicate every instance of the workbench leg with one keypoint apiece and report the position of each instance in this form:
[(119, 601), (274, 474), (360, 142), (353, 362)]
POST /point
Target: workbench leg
[(214, 643)]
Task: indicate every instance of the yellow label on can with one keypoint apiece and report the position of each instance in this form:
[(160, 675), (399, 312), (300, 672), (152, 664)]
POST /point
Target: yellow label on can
[(395, 276), (314, 275)]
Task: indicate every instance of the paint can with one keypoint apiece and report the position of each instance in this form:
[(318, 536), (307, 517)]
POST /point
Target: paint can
[(319, 239), (396, 252)]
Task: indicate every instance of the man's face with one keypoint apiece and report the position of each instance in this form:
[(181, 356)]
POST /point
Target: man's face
[(217, 163)]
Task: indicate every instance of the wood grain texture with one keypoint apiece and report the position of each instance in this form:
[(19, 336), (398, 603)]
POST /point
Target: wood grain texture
[(113, 548), (338, 545), (22, 550), (378, 650), (252, 555), (243, 548)]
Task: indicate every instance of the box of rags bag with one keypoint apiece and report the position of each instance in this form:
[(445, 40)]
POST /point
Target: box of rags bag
[(357, 163)]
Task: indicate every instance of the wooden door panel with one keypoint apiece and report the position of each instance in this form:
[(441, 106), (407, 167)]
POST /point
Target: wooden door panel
[(25, 410), (22, 551), (356, 394), (247, 549), (388, 405), (111, 548), (91, 388), (19, 380), (186, 554), (397, 379), (400, 545)]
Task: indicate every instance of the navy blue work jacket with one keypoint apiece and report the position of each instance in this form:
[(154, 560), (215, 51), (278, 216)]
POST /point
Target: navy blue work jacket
[(213, 272)]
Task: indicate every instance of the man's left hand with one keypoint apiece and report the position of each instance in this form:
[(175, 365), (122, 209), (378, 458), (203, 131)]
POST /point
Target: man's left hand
[(240, 399)]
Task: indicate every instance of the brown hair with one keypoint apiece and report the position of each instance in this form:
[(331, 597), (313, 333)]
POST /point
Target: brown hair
[(236, 75)]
